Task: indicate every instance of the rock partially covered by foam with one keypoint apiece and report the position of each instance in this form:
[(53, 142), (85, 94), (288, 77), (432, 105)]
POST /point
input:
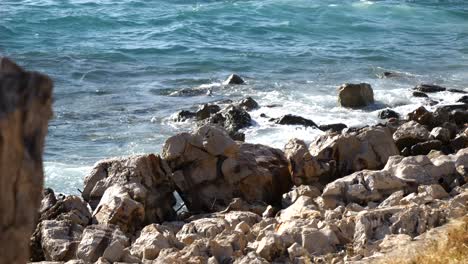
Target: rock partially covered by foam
[(355, 95)]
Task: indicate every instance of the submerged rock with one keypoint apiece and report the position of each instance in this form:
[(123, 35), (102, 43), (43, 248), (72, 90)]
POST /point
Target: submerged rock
[(248, 104), (420, 94), (333, 127), (355, 95), (429, 88), (184, 115), (206, 111), (463, 99)]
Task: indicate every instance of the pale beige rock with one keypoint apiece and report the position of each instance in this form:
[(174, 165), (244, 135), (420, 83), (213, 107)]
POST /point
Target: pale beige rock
[(304, 168), (409, 134), (434, 190), (117, 207), (210, 169), (270, 246), (26, 107), (297, 191), (72, 208), (205, 227), (96, 239), (319, 242), (145, 176), (60, 239), (152, 239), (368, 148), (303, 207)]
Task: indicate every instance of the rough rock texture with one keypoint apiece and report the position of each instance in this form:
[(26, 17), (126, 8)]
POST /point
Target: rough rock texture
[(152, 239), (60, 239), (409, 134), (232, 118), (388, 113), (355, 95), (429, 88), (234, 79), (25, 109), (140, 179), (304, 168), (209, 169), (368, 148)]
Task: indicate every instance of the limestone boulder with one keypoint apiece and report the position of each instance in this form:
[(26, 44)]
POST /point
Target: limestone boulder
[(202, 228), (71, 208), (117, 207), (297, 191), (409, 134), (102, 240), (26, 107), (304, 168), (368, 148), (59, 239), (355, 95), (210, 169), (152, 239), (146, 177)]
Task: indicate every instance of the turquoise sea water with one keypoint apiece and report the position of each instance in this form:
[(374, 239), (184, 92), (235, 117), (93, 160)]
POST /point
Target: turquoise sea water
[(116, 64)]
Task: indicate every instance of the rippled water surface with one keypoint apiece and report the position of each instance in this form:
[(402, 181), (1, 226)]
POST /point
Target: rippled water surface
[(116, 64)]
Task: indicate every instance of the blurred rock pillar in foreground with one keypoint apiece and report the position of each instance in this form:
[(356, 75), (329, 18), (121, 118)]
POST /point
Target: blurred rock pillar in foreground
[(25, 109)]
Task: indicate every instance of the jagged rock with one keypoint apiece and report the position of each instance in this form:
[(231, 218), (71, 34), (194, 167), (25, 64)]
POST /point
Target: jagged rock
[(388, 113), (302, 190), (232, 118), (205, 227), (422, 116), (463, 99), (333, 127), (303, 207), (393, 199), (410, 133), (184, 115), (59, 239), (234, 79), (434, 190), (420, 94), (97, 239), (295, 120), (304, 168), (206, 111), (429, 88), (251, 258), (248, 104), (152, 239), (368, 148), (235, 217), (424, 148), (271, 246), (146, 177), (48, 200), (72, 208), (26, 107), (117, 207), (210, 169), (441, 133), (319, 242), (355, 95)]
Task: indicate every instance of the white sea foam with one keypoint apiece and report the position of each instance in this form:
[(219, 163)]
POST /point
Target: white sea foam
[(65, 178)]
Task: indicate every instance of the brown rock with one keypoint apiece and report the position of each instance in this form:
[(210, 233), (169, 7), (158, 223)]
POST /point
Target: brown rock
[(25, 109), (355, 95)]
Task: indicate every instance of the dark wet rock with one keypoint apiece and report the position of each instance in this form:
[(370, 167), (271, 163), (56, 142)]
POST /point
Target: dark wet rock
[(459, 117), (249, 104), (295, 120), (459, 142), (388, 74), (232, 118), (273, 105), (452, 128), (187, 92), (206, 111), (420, 94), (457, 91), (429, 88), (431, 102), (263, 115), (450, 108), (184, 115), (48, 200), (463, 99), (422, 116), (424, 148), (355, 95), (441, 133), (409, 134), (388, 113), (333, 127), (234, 79)]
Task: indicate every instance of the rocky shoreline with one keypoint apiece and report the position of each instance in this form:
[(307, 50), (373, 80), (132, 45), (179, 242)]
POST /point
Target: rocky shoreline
[(348, 196)]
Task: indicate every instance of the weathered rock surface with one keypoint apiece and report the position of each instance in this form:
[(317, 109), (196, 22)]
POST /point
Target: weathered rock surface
[(206, 111), (210, 169), (60, 239), (25, 109), (410, 134), (152, 239), (388, 113), (234, 79), (140, 180), (368, 148), (232, 118), (355, 95)]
